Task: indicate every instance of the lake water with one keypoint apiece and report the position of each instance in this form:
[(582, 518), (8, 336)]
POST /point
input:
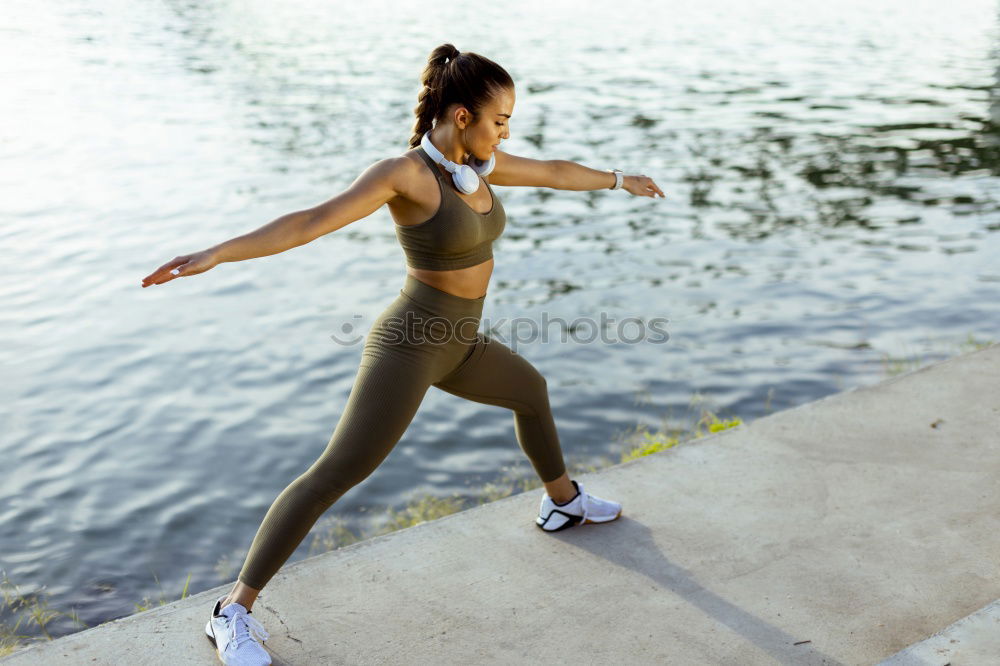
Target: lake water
[(831, 172)]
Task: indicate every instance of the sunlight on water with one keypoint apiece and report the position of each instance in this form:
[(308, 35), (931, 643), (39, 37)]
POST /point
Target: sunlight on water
[(831, 178)]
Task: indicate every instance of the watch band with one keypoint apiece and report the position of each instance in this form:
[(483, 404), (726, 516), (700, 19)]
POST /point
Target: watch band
[(619, 179)]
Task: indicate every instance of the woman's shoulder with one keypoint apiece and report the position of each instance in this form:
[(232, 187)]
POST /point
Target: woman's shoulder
[(406, 172), (401, 170), (406, 165)]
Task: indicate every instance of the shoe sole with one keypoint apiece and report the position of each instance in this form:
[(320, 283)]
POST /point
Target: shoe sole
[(598, 522), (210, 635)]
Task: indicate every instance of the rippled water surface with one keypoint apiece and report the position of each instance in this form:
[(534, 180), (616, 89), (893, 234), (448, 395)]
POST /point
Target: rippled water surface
[(832, 197)]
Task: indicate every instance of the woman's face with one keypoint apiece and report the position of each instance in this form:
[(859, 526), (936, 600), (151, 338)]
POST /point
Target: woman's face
[(492, 125)]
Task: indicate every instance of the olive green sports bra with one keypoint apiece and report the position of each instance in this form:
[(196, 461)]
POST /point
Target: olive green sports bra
[(455, 236)]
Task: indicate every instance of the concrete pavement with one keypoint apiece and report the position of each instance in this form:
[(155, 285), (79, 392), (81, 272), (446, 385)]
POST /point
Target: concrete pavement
[(838, 532)]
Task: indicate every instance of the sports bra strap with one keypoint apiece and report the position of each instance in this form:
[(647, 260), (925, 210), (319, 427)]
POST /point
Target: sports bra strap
[(431, 163)]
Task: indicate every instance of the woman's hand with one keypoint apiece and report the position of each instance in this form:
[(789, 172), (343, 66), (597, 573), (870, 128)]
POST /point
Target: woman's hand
[(188, 264), (642, 186)]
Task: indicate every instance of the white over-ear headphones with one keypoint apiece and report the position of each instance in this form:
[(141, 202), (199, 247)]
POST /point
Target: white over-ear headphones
[(465, 176)]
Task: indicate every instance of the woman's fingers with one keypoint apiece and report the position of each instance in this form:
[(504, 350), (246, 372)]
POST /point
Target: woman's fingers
[(656, 189), (651, 188), (188, 264), (165, 273), (648, 187)]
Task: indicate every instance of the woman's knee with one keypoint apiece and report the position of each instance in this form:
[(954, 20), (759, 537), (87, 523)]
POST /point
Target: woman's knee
[(532, 390), (328, 480)]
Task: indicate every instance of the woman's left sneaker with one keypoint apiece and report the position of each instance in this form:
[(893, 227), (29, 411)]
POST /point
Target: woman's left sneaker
[(582, 509), (235, 633)]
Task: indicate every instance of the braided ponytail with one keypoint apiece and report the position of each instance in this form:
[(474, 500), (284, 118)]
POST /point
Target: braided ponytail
[(451, 76), (427, 101)]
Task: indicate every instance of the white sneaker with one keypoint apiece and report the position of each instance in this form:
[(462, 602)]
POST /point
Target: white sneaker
[(582, 509), (229, 630)]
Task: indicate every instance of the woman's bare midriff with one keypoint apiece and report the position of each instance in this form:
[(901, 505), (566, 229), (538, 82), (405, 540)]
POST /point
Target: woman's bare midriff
[(468, 282), (419, 204)]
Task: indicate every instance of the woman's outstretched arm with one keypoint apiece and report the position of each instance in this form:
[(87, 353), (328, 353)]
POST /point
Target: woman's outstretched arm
[(377, 185), (563, 175)]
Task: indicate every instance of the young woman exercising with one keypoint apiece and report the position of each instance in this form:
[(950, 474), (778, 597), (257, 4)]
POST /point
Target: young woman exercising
[(428, 336)]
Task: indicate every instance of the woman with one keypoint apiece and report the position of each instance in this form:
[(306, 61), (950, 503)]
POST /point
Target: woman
[(428, 336)]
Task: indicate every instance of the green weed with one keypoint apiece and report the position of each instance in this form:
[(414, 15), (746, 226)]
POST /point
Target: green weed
[(146, 604), (895, 365), (27, 609)]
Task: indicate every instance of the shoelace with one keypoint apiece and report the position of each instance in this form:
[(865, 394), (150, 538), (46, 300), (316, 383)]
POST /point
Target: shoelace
[(240, 627)]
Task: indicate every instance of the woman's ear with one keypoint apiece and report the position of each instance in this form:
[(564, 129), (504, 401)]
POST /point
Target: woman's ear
[(463, 117)]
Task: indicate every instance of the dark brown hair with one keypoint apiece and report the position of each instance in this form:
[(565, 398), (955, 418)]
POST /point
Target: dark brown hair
[(449, 77)]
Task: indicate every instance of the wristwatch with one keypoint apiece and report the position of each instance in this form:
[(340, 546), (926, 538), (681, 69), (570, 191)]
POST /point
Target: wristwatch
[(619, 179)]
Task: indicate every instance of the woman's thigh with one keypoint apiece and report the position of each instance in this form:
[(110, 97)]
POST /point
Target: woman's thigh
[(392, 379), (495, 374)]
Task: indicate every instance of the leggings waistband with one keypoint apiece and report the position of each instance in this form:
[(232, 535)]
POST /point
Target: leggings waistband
[(442, 303)]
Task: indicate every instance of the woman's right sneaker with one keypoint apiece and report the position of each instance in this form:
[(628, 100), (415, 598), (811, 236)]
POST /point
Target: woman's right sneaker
[(582, 509), (230, 629)]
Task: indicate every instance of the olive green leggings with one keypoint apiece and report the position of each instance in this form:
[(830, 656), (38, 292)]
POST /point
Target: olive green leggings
[(426, 337)]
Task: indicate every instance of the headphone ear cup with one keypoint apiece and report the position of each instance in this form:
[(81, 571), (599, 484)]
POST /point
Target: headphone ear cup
[(466, 179), (484, 168)]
